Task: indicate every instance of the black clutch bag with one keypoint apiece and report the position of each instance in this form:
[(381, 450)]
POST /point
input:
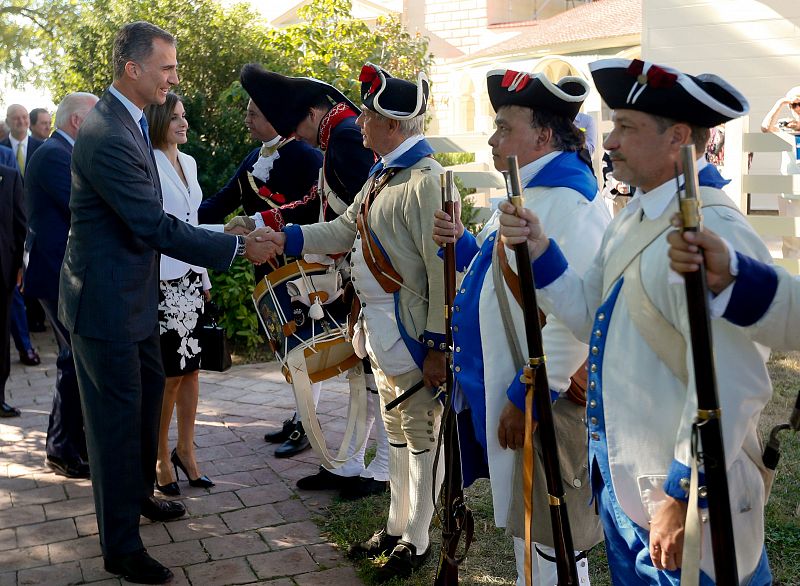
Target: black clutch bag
[(214, 353)]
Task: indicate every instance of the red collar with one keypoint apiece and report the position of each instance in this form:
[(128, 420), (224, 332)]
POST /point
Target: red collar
[(339, 112)]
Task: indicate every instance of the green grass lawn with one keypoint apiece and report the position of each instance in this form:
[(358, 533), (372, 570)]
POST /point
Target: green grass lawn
[(491, 557)]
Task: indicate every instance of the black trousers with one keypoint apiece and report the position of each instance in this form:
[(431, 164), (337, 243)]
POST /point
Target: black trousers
[(5, 345), (65, 437), (121, 385)]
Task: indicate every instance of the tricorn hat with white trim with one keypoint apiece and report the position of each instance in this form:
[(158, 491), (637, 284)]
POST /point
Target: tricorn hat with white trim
[(507, 87), (392, 97), (705, 100), (284, 100)]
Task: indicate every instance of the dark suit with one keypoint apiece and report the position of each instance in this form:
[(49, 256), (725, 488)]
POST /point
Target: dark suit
[(47, 206), (108, 300), (12, 243), (33, 144)]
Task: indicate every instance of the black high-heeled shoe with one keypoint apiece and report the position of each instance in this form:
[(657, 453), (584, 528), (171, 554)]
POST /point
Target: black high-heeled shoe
[(202, 482), (169, 489)]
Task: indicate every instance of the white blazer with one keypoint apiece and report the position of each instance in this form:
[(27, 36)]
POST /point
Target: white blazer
[(182, 202)]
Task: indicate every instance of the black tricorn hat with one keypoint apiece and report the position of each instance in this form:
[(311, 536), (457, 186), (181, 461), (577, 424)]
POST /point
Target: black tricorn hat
[(704, 100), (507, 87), (284, 100), (392, 97)]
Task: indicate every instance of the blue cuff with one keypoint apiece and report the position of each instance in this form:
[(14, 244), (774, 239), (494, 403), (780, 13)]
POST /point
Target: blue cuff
[(433, 341), (294, 240), (677, 483), (550, 266), (466, 249), (752, 293), (516, 394)]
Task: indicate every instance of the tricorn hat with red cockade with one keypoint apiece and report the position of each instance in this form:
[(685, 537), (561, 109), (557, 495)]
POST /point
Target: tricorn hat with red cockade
[(507, 87), (705, 100), (392, 97)]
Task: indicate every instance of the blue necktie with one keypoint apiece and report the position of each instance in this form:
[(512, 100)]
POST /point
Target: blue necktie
[(145, 131)]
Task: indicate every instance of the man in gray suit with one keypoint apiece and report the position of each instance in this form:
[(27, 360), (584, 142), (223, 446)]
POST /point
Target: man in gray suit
[(108, 293)]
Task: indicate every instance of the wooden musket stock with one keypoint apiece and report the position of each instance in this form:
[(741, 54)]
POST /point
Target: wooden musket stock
[(538, 393)]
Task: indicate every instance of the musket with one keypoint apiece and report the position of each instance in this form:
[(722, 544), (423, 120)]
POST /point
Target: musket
[(456, 518), (707, 426), (538, 393)]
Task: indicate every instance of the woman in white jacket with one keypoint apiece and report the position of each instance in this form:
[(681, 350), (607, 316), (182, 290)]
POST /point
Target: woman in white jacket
[(182, 292)]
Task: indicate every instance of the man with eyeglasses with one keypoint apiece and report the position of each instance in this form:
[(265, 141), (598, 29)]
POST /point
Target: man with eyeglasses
[(790, 160)]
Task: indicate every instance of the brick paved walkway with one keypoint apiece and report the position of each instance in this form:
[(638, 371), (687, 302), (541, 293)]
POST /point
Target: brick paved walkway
[(252, 527)]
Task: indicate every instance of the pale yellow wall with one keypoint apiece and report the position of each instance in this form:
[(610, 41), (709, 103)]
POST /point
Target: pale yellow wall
[(755, 45)]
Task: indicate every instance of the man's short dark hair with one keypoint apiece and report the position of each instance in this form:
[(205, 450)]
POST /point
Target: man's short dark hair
[(700, 135), (35, 114), (566, 136), (158, 119), (134, 42)]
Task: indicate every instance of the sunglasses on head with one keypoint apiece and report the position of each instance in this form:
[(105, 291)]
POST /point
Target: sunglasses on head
[(794, 105)]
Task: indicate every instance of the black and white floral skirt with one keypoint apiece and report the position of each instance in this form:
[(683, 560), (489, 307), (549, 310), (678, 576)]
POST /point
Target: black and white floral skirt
[(180, 305)]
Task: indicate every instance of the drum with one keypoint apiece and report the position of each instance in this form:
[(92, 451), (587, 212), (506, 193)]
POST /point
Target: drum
[(301, 306), (303, 311)]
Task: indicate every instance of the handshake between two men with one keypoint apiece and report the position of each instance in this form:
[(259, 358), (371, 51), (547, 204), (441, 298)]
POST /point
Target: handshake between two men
[(262, 244)]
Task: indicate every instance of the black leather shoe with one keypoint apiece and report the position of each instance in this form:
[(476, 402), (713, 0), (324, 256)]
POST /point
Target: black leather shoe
[(380, 542), (157, 510), (76, 469), (362, 488), (280, 436), (402, 562), (29, 357), (297, 442), (7, 410), (138, 568), (169, 489), (326, 480)]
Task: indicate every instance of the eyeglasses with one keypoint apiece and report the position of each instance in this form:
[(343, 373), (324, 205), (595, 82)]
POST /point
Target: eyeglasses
[(794, 105)]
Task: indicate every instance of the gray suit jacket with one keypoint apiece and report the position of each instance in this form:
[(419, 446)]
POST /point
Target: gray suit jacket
[(108, 287)]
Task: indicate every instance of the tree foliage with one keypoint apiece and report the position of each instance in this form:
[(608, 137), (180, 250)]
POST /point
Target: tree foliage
[(75, 37)]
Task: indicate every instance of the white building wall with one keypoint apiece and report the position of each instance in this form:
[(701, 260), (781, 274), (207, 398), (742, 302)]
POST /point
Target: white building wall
[(753, 44)]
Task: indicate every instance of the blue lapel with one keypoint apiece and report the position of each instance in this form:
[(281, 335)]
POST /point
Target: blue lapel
[(567, 170), (407, 159)]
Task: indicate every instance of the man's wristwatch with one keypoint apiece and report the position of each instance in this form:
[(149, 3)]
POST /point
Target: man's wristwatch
[(241, 245)]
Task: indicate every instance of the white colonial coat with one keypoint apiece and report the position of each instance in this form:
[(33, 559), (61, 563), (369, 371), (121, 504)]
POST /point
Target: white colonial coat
[(648, 412), (577, 225)]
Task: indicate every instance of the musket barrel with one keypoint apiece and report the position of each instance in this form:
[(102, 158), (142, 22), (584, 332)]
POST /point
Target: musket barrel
[(539, 394), (708, 422)]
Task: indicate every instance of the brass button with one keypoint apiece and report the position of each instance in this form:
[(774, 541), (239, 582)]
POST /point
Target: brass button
[(601, 317), (576, 482), (684, 484), (595, 436), (593, 368), (592, 404), (455, 328), (463, 291), (458, 369), (592, 385), (458, 348), (595, 350), (456, 309), (491, 237), (598, 334), (593, 421)]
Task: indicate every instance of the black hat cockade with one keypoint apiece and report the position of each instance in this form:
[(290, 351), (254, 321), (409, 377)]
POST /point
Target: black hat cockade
[(284, 100), (705, 100), (507, 87), (392, 97)]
